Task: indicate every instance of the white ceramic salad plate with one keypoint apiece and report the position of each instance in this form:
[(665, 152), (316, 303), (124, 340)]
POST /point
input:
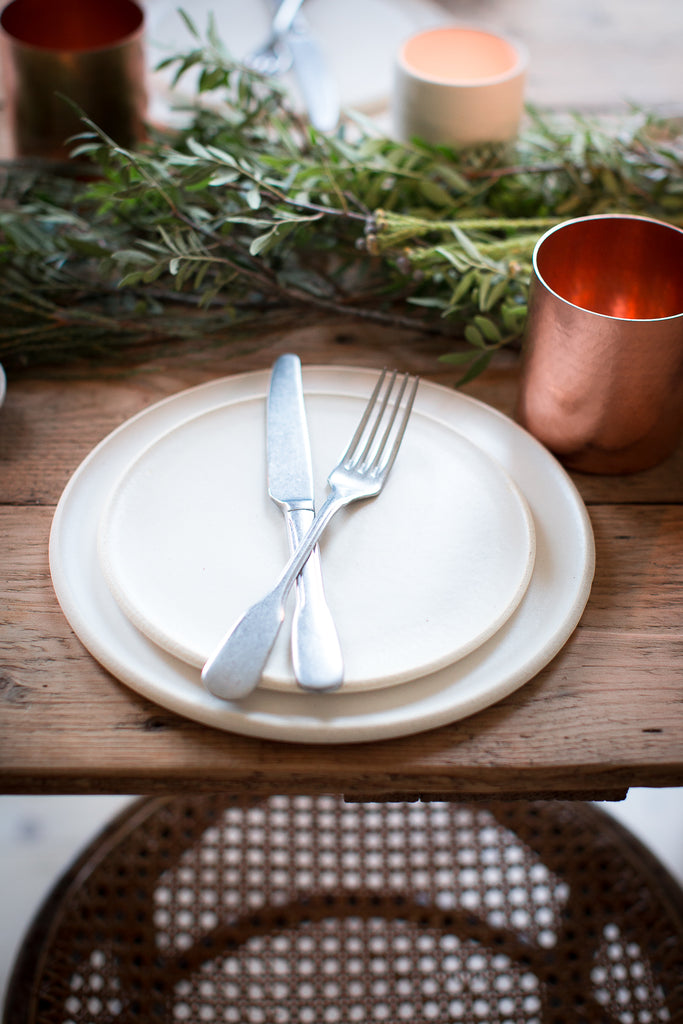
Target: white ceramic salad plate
[(415, 579)]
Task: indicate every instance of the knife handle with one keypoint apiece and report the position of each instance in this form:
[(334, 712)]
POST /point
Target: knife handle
[(316, 652)]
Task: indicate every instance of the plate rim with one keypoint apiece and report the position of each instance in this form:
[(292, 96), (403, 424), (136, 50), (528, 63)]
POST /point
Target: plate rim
[(179, 649), (332, 718)]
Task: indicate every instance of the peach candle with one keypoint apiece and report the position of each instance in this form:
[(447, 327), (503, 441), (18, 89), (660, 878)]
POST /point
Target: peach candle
[(459, 86)]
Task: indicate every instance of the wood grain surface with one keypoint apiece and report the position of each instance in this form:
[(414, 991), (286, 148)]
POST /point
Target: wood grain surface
[(606, 714)]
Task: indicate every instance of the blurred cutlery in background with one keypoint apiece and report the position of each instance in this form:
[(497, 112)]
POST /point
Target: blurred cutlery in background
[(291, 45)]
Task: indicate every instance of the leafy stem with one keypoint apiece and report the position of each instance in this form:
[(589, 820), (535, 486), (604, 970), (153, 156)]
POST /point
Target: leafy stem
[(248, 213)]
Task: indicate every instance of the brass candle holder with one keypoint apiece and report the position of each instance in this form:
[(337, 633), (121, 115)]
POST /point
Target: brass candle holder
[(91, 54)]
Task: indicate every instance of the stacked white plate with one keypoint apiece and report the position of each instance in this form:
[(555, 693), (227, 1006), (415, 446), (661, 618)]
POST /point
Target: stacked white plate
[(450, 590)]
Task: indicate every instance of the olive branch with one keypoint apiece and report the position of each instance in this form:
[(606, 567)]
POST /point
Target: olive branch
[(248, 217)]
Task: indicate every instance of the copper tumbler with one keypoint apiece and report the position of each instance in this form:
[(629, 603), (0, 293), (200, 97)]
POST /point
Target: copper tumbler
[(92, 53), (602, 364)]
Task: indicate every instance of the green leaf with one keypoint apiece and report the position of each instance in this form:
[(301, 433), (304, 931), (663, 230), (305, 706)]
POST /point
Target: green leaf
[(458, 358), (253, 198), (493, 294), (133, 256), (464, 285), (210, 79), (488, 329), (223, 178), (212, 33), (436, 194), (427, 302), (485, 281), (454, 258), (454, 179), (513, 317), (477, 367), (189, 24), (197, 148), (474, 336), (470, 249), (264, 243)]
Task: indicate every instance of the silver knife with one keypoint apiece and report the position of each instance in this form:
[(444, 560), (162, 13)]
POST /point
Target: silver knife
[(318, 88), (317, 85), (285, 13), (316, 653)]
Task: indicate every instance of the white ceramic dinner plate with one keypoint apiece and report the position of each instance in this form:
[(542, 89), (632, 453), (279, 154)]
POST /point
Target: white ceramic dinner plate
[(415, 578), (544, 619)]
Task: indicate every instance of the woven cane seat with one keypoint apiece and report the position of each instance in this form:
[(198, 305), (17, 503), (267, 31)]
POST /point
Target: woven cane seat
[(310, 910)]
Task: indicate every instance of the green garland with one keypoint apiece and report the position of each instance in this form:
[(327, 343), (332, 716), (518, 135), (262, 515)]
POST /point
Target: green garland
[(247, 216)]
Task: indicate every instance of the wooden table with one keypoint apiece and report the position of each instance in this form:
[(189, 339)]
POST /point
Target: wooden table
[(605, 715)]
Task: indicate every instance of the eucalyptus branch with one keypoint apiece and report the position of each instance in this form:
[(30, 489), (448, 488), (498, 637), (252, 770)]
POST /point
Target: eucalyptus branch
[(248, 213)]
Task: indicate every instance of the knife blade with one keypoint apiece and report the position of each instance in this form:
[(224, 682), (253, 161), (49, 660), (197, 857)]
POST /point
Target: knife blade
[(316, 652), (316, 83), (285, 13)]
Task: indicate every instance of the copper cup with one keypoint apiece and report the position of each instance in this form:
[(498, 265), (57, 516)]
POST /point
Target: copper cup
[(602, 364), (90, 52)]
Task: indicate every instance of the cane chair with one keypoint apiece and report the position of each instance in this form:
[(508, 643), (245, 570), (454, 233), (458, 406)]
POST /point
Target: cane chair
[(313, 910)]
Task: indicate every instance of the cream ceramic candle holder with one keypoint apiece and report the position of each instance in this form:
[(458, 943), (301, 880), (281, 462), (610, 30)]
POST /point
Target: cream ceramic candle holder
[(458, 86)]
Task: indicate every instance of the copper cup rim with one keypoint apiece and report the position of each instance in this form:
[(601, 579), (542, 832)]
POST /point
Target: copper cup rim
[(602, 217), (119, 41)]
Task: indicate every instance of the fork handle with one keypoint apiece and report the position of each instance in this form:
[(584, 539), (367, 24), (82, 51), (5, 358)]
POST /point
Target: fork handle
[(236, 666)]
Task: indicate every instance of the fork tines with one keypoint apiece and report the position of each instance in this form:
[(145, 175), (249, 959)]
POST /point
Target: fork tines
[(372, 449)]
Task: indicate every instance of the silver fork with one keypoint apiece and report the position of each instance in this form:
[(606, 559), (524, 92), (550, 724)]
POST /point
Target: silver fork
[(236, 666)]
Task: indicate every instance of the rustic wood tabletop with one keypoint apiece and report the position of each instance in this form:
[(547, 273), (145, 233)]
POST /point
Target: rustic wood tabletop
[(606, 713)]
